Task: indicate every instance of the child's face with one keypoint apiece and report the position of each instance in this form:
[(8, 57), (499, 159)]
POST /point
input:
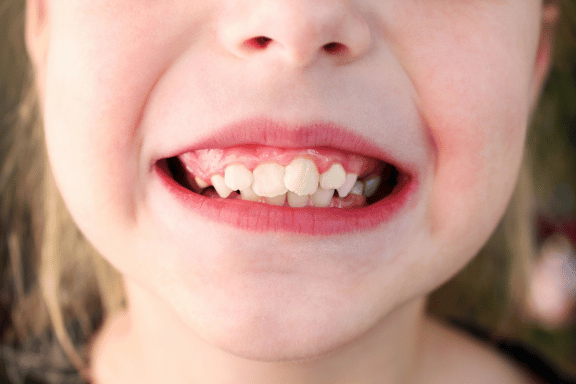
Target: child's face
[(443, 88)]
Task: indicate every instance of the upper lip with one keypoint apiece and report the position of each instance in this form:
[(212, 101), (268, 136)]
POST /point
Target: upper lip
[(265, 131)]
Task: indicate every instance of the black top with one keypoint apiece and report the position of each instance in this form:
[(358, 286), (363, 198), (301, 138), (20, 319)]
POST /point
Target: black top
[(525, 356)]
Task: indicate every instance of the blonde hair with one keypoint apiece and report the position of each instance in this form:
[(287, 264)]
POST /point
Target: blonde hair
[(55, 275), (70, 280)]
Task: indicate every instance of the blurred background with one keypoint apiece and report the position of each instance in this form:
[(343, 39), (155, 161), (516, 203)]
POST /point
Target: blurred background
[(546, 319)]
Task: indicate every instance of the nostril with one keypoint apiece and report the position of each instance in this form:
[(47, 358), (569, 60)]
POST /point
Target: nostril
[(259, 42), (334, 48)]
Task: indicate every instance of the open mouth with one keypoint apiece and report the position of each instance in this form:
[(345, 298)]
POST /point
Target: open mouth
[(317, 177), (261, 176)]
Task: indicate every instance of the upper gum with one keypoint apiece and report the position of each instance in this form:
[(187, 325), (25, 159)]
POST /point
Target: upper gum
[(205, 163)]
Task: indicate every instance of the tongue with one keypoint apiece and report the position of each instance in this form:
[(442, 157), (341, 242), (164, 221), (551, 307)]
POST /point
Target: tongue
[(204, 163)]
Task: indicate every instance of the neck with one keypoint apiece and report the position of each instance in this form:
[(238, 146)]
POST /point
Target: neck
[(385, 354)]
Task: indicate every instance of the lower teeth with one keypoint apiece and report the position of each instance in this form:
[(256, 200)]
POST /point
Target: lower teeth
[(288, 200)]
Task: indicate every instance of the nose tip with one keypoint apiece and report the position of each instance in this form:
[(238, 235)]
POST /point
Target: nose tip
[(299, 31)]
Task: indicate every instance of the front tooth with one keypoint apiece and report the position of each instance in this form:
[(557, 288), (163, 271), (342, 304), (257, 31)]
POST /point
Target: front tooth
[(277, 200), (237, 177), (334, 177), (358, 188), (220, 186), (371, 185), (345, 189), (322, 197), (297, 201), (269, 180), (301, 176), (248, 194)]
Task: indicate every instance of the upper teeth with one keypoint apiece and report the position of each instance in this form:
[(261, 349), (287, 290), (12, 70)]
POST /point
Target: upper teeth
[(201, 183), (220, 186), (269, 180), (298, 183), (301, 176), (348, 184), (237, 177), (333, 177)]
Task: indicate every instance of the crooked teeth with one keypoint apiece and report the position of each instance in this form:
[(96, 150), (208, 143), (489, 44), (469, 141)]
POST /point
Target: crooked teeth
[(297, 201), (348, 184), (220, 186), (269, 180), (237, 177), (371, 185), (334, 177), (322, 197), (296, 183), (301, 177)]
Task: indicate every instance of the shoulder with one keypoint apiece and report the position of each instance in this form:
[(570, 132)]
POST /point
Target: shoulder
[(450, 355), (110, 351)]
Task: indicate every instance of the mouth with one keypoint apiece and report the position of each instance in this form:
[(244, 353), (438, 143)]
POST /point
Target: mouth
[(309, 180), (294, 178)]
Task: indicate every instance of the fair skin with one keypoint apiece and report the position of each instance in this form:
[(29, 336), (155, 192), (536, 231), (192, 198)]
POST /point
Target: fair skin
[(443, 87)]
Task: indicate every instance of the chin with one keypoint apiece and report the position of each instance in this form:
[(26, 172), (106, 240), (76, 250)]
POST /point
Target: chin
[(273, 338)]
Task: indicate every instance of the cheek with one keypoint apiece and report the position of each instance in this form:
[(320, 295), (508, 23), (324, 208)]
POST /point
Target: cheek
[(99, 71), (473, 90), (478, 131), (475, 172), (89, 133)]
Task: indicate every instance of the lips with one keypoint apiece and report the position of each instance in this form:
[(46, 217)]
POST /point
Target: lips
[(400, 183)]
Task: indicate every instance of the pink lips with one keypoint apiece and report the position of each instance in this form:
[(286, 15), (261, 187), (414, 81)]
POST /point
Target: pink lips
[(267, 132), (259, 217)]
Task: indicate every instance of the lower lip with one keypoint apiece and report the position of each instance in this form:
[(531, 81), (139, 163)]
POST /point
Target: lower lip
[(259, 217)]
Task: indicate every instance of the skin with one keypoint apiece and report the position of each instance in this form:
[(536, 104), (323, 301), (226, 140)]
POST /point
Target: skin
[(446, 85)]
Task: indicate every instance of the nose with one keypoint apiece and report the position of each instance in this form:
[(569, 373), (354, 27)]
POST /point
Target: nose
[(299, 31)]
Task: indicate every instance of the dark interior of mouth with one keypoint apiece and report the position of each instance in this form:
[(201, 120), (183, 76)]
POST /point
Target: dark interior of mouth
[(178, 172), (390, 175), (390, 180)]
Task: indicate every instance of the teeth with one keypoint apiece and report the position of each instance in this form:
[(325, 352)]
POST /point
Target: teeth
[(301, 176), (297, 201), (371, 185), (296, 183), (322, 197), (269, 180), (334, 177), (358, 188), (196, 184), (345, 189), (237, 177), (277, 200), (220, 186), (201, 183), (248, 194)]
